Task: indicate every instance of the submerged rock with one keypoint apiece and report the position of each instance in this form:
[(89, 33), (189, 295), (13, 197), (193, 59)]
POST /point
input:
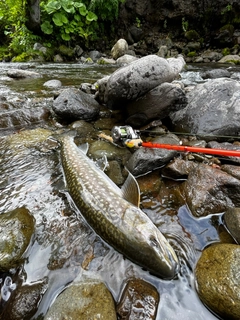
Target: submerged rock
[(16, 228), (89, 299), (21, 74), (218, 281), (24, 301), (139, 300)]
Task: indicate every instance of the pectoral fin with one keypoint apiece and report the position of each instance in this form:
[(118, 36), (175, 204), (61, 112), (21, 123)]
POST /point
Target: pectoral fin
[(130, 190)]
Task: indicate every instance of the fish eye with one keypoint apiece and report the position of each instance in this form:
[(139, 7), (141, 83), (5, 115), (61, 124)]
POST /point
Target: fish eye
[(153, 241)]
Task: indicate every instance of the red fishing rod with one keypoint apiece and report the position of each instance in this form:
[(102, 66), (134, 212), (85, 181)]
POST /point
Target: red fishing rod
[(220, 152), (131, 138)]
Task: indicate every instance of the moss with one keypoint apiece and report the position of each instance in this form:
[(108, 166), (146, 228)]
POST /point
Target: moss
[(66, 52), (192, 35), (228, 27), (191, 54), (25, 56), (226, 51)]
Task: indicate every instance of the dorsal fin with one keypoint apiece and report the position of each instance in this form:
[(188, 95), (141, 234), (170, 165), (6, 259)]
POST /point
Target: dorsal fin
[(130, 190), (84, 147)]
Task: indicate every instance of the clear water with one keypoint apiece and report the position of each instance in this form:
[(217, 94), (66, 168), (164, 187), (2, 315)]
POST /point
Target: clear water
[(64, 246)]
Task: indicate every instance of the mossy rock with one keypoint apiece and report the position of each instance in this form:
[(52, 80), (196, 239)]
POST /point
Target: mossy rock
[(66, 52), (226, 51), (191, 54), (192, 35), (228, 27)]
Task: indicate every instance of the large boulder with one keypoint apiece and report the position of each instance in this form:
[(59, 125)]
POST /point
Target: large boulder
[(136, 79), (213, 108)]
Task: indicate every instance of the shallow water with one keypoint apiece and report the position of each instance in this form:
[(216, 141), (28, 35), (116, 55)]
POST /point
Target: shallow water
[(63, 242)]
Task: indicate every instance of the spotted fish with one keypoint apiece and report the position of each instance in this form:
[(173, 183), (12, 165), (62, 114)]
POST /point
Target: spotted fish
[(114, 213)]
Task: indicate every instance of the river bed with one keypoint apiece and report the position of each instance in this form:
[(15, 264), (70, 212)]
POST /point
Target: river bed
[(32, 177)]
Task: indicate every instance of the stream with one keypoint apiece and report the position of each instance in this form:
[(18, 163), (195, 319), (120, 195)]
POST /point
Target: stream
[(31, 176)]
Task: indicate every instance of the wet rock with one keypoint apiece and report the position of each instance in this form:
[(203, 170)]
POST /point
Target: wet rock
[(16, 229), (218, 283), (232, 220), (89, 299), (21, 74), (139, 300), (53, 84), (156, 104), (24, 301), (232, 170), (119, 49), (145, 160), (179, 168), (136, 79), (19, 118), (209, 190), (216, 73), (73, 104), (95, 55), (213, 107)]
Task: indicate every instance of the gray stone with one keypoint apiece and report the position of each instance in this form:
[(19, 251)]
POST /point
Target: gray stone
[(73, 104), (119, 49), (232, 220), (213, 107)]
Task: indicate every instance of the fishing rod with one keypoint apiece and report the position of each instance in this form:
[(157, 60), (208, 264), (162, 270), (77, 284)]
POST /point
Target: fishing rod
[(131, 138)]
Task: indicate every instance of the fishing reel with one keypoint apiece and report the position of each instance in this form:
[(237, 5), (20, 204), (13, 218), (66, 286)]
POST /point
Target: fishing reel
[(126, 135), (120, 133)]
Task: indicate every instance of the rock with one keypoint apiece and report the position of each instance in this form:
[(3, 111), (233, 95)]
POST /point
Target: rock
[(158, 103), (145, 160), (211, 55), (232, 220), (231, 58), (136, 79), (163, 51), (209, 190), (216, 73), (139, 300), (218, 281), (104, 60), (213, 107), (89, 299), (101, 85), (53, 84), (100, 149), (119, 49), (24, 301), (179, 168), (22, 74), (95, 55), (17, 228), (136, 33), (73, 104), (232, 170), (126, 59)]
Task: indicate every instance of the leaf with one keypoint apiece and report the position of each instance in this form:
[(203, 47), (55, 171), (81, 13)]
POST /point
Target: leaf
[(52, 6), (59, 19), (65, 36), (68, 6), (91, 16), (83, 10), (46, 27)]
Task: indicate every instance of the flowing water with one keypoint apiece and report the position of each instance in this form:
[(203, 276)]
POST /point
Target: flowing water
[(64, 246)]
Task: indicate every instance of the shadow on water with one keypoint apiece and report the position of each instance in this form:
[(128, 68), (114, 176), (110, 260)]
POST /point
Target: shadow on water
[(64, 246)]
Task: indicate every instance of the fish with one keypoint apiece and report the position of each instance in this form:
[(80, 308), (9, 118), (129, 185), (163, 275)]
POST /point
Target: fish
[(114, 213)]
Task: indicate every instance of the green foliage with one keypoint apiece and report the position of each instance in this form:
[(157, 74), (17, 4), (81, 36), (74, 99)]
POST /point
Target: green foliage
[(67, 19), (105, 9), (184, 25), (226, 51), (191, 54), (192, 35)]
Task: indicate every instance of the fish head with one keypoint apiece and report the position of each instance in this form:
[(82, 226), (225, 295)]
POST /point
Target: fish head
[(154, 251)]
